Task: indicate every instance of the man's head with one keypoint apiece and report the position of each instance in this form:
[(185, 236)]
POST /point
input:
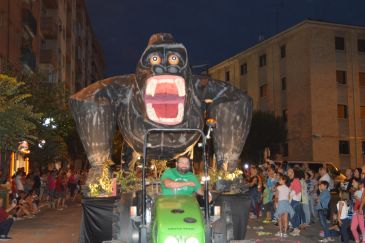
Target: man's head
[(323, 171), (348, 173), (253, 170), (291, 173), (183, 165)]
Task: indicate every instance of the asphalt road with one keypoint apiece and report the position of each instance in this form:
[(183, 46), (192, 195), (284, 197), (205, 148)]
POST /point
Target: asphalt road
[(259, 232), (49, 225)]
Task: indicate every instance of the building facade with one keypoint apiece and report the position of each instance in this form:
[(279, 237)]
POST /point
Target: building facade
[(54, 37), (313, 76)]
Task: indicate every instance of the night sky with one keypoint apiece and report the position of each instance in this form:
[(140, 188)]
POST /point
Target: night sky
[(211, 30)]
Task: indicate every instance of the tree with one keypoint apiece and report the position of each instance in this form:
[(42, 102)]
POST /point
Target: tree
[(17, 118), (56, 127), (266, 131)]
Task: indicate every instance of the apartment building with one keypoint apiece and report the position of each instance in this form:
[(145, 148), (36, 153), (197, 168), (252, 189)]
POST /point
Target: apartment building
[(49, 36), (312, 75)]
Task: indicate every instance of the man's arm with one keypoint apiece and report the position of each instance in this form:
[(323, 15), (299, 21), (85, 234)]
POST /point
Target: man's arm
[(176, 184)]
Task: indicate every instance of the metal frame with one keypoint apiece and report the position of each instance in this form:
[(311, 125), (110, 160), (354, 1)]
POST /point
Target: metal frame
[(144, 194)]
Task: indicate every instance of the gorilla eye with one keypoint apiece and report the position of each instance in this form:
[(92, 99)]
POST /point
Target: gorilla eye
[(173, 59), (155, 59)]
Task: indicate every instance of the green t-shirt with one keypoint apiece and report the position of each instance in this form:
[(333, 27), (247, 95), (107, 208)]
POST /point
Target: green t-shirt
[(174, 175)]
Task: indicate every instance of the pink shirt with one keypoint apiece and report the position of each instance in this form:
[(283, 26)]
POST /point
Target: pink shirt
[(296, 186)]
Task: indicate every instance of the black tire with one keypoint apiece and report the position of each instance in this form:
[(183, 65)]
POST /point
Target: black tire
[(123, 228), (234, 218)]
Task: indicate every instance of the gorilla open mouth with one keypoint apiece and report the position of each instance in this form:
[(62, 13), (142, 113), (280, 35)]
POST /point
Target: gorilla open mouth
[(164, 99)]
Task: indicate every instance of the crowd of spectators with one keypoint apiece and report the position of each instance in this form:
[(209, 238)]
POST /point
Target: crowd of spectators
[(294, 198), (30, 192)]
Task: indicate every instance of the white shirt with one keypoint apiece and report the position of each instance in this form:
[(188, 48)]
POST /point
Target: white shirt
[(358, 194), (326, 177), (18, 182), (283, 192), (344, 211)]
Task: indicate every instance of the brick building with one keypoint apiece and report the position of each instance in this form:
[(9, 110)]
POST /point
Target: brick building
[(312, 75), (54, 37)]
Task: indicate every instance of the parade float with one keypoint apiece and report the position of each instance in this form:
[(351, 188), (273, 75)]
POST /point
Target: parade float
[(161, 112)]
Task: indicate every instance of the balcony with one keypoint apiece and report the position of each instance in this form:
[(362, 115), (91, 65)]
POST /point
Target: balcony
[(50, 3), (48, 57), (49, 27), (28, 59), (29, 22)]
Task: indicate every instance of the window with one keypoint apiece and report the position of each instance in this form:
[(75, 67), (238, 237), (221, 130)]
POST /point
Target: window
[(342, 111), (361, 45), (285, 149), (285, 115), (283, 83), (244, 69), (262, 60), (362, 79), (340, 43), (283, 51), (341, 77), (227, 76), (344, 147), (362, 112), (263, 90)]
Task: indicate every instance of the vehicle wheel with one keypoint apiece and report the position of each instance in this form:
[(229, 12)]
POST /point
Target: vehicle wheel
[(123, 228), (223, 228), (233, 222)]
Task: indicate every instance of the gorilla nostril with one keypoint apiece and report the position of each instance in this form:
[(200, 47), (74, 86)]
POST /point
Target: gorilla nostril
[(158, 69), (172, 69)]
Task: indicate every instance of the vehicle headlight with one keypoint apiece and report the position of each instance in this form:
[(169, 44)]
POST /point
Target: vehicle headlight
[(192, 240), (171, 239)]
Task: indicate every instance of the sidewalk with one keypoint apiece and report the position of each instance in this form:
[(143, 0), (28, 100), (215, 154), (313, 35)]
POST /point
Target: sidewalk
[(49, 225)]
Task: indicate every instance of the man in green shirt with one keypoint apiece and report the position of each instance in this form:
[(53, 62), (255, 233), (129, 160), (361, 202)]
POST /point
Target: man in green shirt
[(179, 180)]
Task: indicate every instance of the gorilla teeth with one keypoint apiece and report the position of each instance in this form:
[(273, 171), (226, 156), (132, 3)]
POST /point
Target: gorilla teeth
[(178, 81), (151, 112), (180, 84), (168, 121), (151, 87)]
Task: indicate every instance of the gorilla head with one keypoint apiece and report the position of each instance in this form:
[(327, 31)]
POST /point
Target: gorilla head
[(164, 79)]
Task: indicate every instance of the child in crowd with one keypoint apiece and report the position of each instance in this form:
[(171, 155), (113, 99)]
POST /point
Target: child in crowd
[(342, 215), (283, 205), (357, 216), (322, 208)]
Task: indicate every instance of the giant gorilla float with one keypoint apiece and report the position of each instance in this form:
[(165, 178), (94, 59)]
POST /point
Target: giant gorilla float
[(163, 93)]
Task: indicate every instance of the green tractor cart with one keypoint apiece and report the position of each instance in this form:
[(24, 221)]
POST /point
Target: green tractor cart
[(146, 216)]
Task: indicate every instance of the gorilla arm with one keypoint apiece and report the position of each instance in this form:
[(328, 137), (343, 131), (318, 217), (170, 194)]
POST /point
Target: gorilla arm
[(232, 109), (94, 109)]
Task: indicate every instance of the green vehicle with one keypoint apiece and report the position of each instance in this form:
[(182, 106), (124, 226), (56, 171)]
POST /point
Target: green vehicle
[(146, 216)]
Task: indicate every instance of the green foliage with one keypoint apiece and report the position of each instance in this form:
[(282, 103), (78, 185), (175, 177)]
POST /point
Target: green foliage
[(128, 181), (17, 118), (51, 99), (266, 131)]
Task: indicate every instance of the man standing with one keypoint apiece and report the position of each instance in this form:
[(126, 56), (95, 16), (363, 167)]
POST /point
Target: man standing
[(323, 171), (179, 180)]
